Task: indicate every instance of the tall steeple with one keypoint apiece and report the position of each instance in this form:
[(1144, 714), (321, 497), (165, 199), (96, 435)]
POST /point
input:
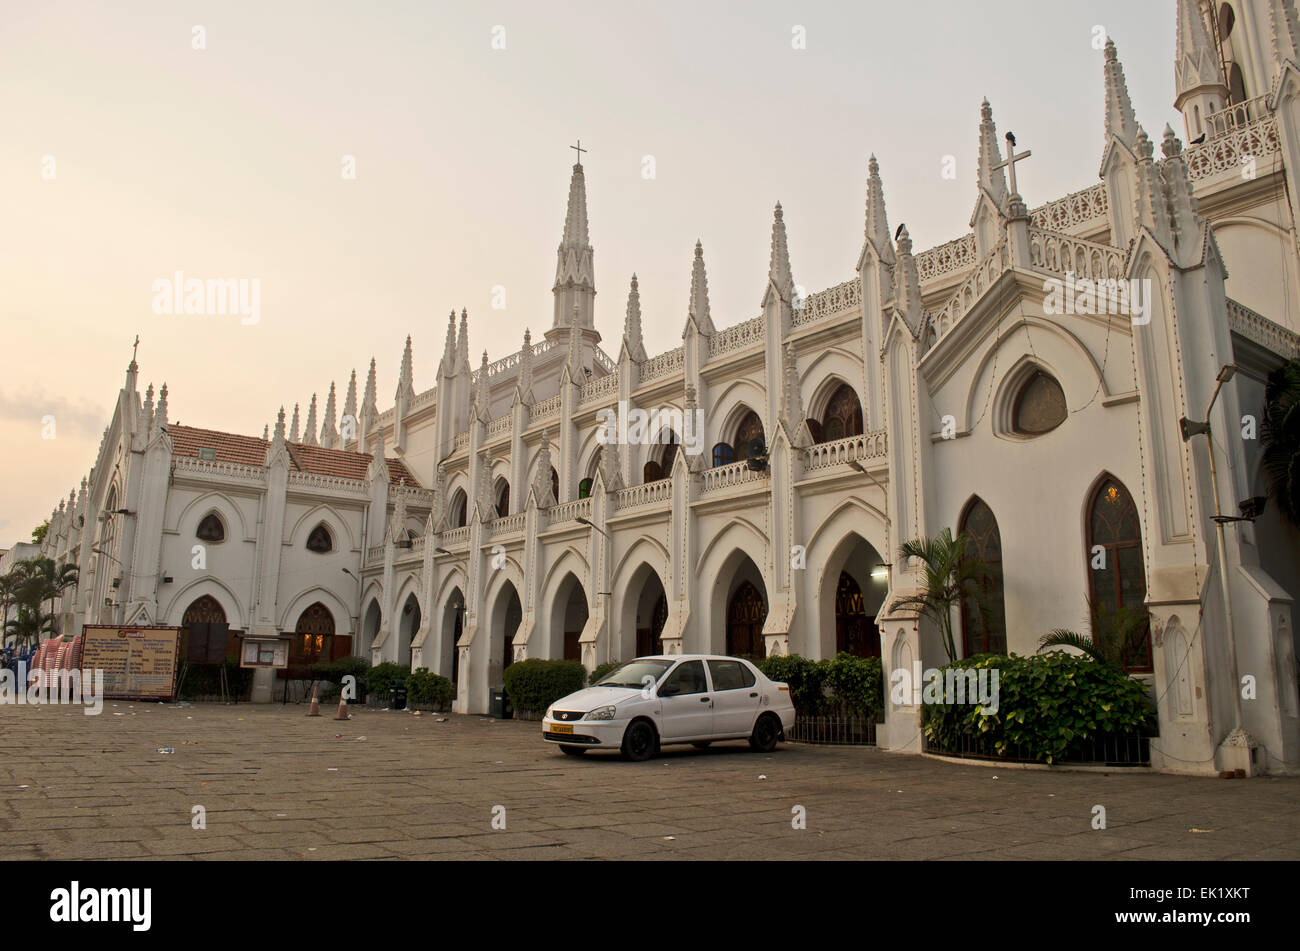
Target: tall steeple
[(1120, 120), (877, 222), (575, 280), (779, 278), (632, 325), (698, 309), (1198, 77)]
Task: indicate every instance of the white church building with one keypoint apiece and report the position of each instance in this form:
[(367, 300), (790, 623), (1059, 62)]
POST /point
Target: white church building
[(983, 385)]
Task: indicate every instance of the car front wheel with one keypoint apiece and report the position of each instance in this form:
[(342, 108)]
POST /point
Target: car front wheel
[(640, 741), (766, 732)]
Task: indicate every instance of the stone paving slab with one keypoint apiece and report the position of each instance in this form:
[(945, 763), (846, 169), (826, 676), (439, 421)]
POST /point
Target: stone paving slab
[(278, 785)]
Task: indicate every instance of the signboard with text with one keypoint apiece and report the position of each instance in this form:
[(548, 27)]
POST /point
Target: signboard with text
[(139, 663), (264, 652)]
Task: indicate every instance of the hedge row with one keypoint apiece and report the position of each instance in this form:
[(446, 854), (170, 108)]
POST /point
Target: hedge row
[(533, 685), (843, 686)]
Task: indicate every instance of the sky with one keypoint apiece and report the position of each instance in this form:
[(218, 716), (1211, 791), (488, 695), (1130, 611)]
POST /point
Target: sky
[(216, 139)]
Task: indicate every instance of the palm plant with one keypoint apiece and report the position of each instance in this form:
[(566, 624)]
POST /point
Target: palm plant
[(1118, 635), (8, 592), (29, 624), (948, 577), (43, 580), (1280, 432)]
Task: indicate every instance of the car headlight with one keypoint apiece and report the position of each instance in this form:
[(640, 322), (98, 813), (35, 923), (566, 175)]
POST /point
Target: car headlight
[(601, 713), (548, 713)]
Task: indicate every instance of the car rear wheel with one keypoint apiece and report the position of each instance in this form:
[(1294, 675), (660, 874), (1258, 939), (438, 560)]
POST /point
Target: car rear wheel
[(766, 732), (640, 742), (573, 750)]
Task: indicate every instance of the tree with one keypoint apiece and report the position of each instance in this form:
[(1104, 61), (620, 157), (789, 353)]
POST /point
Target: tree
[(38, 533), (1117, 636), (29, 624), (8, 594), (948, 576), (1280, 436), (40, 580)]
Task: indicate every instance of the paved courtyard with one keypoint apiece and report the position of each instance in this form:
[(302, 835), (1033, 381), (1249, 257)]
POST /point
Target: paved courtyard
[(275, 784)]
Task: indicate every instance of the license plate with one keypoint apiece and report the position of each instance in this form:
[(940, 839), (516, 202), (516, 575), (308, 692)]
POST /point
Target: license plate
[(561, 728)]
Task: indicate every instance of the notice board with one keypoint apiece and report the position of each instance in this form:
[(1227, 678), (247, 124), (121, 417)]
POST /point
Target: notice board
[(139, 663)]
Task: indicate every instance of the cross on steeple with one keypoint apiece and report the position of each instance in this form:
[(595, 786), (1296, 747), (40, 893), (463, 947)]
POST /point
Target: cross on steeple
[(1010, 164), (134, 347), (579, 149)]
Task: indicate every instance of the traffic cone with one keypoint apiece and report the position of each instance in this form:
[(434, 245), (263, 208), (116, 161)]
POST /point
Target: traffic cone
[(343, 710), (314, 709)]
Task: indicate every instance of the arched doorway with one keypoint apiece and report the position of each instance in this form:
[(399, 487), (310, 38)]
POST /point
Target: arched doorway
[(1116, 575), (746, 612), (408, 625), (205, 627), (313, 642), (370, 624), (504, 620), (568, 618), (855, 630), (651, 616), (984, 618), (453, 625)]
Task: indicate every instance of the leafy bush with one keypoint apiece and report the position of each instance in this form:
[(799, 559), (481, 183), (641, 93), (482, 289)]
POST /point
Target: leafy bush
[(599, 673), (380, 678), (333, 672), (426, 687), (1049, 706), (847, 685), (535, 684)]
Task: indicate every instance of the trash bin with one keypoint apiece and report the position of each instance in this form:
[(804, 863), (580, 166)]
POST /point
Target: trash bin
[(500, 706), (397, 695)]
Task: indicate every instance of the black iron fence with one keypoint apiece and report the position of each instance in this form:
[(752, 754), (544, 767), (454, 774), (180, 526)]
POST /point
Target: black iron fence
[(833, 730), (1122, 750)]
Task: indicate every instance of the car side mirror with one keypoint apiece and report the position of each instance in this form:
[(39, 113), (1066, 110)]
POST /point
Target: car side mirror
[(667, 690)]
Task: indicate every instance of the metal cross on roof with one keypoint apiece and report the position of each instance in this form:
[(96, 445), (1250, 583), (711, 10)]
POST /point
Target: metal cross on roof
[(1011, 160), (579, 149)]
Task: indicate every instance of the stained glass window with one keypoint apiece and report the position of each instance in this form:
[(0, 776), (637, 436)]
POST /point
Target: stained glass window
[(319, 540), (211, 529), (843, 416), (984, 619), (313, 635), (1115, 568), (748, 433)]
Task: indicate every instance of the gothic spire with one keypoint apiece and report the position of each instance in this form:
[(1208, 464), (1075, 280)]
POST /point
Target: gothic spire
[(908, 294), (160, 411), (293, 429), (328, 429), (448, 364), (1120, 121), (1286, 31), (370, 401), (279, 424), (632, 325), (525, 384), (992, 180), (778, 268), (1196, 64), (462, 343), (482, 395), (405, 382), (699, 305), (350, 401), (309, 432), (877, 222), (575, 281)]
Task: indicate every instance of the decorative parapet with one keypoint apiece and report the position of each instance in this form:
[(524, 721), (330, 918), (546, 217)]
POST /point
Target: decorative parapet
[(599, 389), (499, 426), (315, 480), (1061, 254), (510, 362), (416, 496), (1259, 329), (455, 538), (374, 554), (966, 296), (1238, 116), (462, 442), (730, 475), (1074, 210), (570, 511), (850, 449), (739, 337), (645, 494), (828, 303), (663, 365), (545, 409), (603, 360), (1230, 151), (506, 525), (218, 471), (956, 255), (423, 399)]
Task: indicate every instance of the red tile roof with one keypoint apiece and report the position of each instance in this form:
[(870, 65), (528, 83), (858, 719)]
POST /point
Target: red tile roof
[(251, 451)]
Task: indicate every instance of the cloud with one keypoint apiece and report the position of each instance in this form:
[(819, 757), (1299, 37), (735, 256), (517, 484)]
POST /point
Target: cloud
[(77, 417)]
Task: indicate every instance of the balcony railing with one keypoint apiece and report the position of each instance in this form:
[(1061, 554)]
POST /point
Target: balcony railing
[(850, 449)]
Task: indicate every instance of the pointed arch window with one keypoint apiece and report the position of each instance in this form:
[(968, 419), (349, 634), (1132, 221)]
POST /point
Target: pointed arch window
[(555, 484), (457, 511), (313, 636), (1116, 573), (723, 454), (843, 415), (211, 529), (584, 489), (983, 617), (1039, 405), (503, 499), (320, 540), (749, 437)]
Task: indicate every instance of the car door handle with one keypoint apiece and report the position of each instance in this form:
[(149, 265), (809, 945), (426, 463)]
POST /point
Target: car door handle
[(704, 699), (754, 694)]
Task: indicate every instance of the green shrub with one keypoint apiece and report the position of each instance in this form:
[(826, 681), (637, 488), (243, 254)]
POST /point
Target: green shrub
[(599, 673), (533, 685), (380, 677), (1049, 706), (845, 686), (331, 675), (426, 687)]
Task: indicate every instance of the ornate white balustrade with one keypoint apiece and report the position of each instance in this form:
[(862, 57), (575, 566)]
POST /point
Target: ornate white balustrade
[(729, 476), (956, 255), (506, 525), (648, 493), (424, 399), (218, 470), (828, 303), (604, 360), (1259, 329), (545, 409), (850, 449), (966, 296), (599, 389), (1232, 150), (499, 426), (570, 511), (739, 337), (664, 364), (374, 554), (462, 442), (1061, 254), (455, 538), (1237, 116), (1073, 210), (314, 480)]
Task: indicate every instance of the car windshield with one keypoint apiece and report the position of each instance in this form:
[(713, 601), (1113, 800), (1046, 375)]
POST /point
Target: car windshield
[(634, 673)]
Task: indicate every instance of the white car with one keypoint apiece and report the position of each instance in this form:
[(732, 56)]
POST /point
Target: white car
[(671, 698)]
